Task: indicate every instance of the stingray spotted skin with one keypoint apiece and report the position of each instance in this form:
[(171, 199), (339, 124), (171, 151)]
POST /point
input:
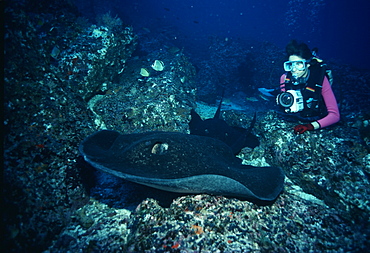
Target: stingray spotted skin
[(180, 163)]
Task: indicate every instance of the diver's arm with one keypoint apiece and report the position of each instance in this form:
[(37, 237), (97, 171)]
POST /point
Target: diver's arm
[(282, 83), (331, 106)]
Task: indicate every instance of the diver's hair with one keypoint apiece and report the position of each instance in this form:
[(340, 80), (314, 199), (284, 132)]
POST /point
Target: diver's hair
[(299, 49)]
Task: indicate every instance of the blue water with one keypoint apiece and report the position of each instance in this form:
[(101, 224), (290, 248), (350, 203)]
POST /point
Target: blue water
[(340, 29)]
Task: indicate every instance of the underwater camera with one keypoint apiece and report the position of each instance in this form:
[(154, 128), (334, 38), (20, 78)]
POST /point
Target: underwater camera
[(291, 100)]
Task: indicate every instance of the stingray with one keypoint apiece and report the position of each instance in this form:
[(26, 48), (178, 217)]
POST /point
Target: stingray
[(235, 137), (181, 163)]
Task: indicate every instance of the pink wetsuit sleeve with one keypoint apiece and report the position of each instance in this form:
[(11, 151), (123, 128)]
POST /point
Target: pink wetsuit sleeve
[(331, 105), (282, 82)]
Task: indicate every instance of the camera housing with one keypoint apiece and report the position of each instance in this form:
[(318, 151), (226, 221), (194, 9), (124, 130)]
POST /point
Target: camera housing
[(291, 100)]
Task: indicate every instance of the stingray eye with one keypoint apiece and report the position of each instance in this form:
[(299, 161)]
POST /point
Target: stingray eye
[(159, 148)]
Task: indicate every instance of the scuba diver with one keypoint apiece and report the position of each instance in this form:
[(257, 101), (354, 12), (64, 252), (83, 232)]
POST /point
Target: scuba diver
[(305, 92)]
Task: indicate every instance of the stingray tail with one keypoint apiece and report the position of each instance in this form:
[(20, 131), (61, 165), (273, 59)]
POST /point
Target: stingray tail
[(252, 123), (218, 112)]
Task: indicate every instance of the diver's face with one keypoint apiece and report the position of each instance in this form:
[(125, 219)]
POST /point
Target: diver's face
[(296, 73)]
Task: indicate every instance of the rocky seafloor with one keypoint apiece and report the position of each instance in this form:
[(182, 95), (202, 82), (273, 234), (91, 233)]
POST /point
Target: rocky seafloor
[(66, 78)]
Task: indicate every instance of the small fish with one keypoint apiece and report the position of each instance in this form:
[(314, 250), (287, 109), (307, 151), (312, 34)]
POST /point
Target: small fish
[(55, 52), (264, 97), (252, 99)]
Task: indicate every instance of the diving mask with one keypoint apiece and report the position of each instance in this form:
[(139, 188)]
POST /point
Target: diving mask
[(297, 65)]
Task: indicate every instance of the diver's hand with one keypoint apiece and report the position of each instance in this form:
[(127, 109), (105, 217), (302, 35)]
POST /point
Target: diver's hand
[(300, 129)]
